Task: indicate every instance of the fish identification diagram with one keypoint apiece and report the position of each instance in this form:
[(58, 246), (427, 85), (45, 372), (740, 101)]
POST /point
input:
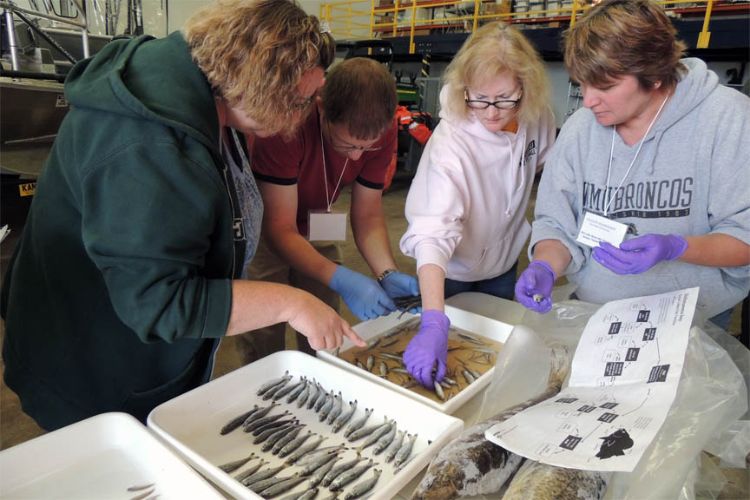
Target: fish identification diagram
[(623, 381)]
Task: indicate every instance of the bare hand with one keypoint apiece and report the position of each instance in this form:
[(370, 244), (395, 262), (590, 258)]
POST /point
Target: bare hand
[(322, 326)]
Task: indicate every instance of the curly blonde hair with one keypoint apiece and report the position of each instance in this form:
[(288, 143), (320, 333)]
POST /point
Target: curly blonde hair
[(491, 50), (254, 53)]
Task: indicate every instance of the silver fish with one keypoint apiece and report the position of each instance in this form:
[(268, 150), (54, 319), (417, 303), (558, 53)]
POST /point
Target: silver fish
[(302, 450), (345, 416), (339, 469), (279, 445), (370, 362), (383, 369), (366, 431), (349, 476), (271, 425), (282, 433), (316, 464), (322, 401), (394, 357), (273, 390), (338, 404), (468, 376), (305, 495), (315, 392), (288, 388), (365, 486), (273, 383), (385, 441), (294, 444), (249, 472), (236, 464), (254, 424), (390, 453), (262, 475), (357, 424), (438, 390), (377, 434), (268, 433), (294, 394), (547, 482), (282, 487), (237, 421), (402, 455), (321, 473), (302, 398), (319, 452), (263, 484), (258, 414), (359, 364), (327, 406)]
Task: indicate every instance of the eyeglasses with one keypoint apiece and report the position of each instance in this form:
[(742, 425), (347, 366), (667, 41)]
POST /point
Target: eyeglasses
[(501, 104), (303, 104), (344, 147)]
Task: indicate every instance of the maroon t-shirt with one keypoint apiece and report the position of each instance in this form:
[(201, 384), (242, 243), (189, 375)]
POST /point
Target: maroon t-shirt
[(300, 161)]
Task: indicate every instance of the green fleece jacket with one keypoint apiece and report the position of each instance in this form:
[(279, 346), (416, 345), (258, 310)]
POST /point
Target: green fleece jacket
[(121, 282)]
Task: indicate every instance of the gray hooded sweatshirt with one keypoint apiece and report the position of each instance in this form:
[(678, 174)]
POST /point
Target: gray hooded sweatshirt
[(691, 177)]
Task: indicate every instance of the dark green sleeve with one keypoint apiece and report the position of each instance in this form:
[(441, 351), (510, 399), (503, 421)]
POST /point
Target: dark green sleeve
[(152, 222)]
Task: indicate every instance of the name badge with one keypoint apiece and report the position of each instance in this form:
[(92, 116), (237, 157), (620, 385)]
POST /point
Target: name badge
[(596, 228), (326, 226)]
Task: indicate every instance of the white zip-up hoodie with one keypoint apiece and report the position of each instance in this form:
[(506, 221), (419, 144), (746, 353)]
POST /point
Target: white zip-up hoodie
[(467, 202)]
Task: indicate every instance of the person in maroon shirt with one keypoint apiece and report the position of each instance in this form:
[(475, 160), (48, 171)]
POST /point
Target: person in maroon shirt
[(348, 138)]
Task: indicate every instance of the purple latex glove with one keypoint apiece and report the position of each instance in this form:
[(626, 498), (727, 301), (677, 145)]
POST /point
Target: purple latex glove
[(534, 286), (639, 254), (428, 348)]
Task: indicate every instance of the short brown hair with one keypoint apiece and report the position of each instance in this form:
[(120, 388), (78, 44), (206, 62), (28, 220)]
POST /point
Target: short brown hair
[(254, 53), (360, 94), (491, 50), (624, 37)]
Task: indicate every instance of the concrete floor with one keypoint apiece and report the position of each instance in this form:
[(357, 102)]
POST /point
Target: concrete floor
[(16, 427)]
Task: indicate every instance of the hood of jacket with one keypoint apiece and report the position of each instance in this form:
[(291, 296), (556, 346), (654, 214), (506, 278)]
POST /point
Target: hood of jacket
[(694, 87), (127, 77)]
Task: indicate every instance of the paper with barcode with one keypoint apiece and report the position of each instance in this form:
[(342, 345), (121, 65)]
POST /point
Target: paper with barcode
[(623, 381)]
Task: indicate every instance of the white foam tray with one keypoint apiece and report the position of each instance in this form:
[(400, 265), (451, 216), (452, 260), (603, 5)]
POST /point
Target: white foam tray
[(464, 320), (98, 458), (191, 422)]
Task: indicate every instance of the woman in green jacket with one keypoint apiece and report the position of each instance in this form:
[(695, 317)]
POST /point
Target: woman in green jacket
[(129, 268)]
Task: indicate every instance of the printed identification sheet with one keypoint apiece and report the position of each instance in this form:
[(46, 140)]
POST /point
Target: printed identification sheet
[(623, 380)]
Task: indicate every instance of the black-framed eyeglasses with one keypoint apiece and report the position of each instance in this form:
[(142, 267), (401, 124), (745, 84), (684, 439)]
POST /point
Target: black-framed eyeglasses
[(501, 104), (302, 104)]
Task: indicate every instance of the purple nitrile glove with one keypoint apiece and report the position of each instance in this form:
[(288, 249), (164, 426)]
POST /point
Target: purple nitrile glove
[(639, 254), (534, 286), (429, 347), (364, 297)]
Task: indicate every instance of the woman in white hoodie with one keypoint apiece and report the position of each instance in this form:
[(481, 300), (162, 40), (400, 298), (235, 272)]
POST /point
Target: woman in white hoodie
[(466, 205)]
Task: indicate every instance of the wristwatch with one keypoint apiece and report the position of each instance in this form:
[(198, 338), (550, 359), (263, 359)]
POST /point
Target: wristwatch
[(385, 273)]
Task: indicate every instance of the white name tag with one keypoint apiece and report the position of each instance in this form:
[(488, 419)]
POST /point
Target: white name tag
[(326, 226), (596, 228)]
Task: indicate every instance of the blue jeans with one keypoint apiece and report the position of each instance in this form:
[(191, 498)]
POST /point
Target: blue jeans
[(500, 286)]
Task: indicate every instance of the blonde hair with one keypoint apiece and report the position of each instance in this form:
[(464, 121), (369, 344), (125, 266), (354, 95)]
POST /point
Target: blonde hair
[(493, 49), (254, 53), (624, 37)]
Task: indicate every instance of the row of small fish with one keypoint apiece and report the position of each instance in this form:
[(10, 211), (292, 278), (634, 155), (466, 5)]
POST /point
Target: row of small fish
[(283, 435)]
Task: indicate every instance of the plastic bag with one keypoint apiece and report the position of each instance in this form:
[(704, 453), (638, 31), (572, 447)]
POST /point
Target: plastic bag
[(711, 396)]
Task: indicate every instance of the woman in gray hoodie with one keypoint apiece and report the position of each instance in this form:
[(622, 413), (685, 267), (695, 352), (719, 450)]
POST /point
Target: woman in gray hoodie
[(646, 189)]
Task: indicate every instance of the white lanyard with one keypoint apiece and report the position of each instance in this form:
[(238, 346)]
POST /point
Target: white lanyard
[(329, 201), (612, 150)]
